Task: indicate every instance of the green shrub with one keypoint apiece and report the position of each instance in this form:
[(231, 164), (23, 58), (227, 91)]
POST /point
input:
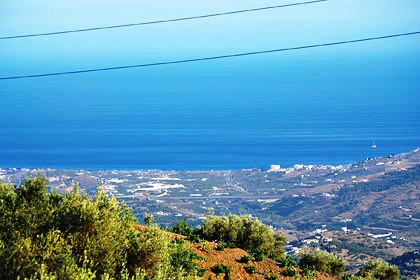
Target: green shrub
[(201, 271), (250, 269), (183, 228), (324, 262), (245, 259), (258, 255), (381, 270), (244, 232), (220, 247), (50, 236), (205, 247), (308, 272), (179, 241), (271, 277), (195, 238), (230, 245), (183, 257), (289, 272), (287, 261), (227, 275), (220, 268)]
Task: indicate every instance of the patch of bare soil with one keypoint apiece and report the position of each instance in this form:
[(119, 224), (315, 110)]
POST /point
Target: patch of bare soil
[(231, 257)]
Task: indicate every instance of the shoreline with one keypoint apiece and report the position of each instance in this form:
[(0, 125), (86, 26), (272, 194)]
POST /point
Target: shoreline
[(267, 168)]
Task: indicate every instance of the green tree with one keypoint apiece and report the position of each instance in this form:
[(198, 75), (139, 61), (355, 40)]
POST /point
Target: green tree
[(380, 270), (323, 261), (244, 232), (50, 236)]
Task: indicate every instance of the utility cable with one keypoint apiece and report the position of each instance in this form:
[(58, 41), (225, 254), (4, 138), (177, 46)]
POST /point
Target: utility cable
[(159, 21), (211, 57)]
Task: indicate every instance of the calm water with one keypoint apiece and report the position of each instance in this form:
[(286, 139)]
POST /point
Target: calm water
[(220, 116)]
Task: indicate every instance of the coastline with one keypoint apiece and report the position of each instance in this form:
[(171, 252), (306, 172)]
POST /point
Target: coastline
[(266, 167)]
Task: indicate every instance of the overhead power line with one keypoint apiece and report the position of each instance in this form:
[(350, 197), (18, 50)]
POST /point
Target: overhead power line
[(160, 21), (211, 57)]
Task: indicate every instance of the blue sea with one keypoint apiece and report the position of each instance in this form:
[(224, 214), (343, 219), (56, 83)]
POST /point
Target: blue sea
[(309, 109)]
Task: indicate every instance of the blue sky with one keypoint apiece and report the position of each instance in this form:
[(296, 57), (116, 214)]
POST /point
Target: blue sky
[(328, 21), (293, 26)]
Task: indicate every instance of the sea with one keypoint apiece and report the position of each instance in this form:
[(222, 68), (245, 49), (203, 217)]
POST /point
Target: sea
[(232, 114)]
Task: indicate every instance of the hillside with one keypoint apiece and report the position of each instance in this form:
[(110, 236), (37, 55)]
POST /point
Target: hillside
[(360, 211), (51, 236), (408, 263), (45, 235), (231, 258)]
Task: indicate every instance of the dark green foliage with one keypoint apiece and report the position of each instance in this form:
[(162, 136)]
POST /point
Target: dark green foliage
[(230, 245), (380, 270), (220, 247), (287, 261), (245, 259), (258, 254), (183, 228), (179, 241), (250, 269), (224, 245), (195, 238), (324, 262), (220, 268), (227, 274), (183, 257), (50, 236), (244, 232), (289, 272), (308, 271), (271, 277), (201, 271)]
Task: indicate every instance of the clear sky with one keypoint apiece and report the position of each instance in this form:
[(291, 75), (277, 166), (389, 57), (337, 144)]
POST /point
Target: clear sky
[(285, 27)]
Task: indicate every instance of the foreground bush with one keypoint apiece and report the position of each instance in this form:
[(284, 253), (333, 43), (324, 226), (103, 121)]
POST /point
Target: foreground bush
[(245, 259), (183, 228), (381, 270), (221, 268), (51, 236), (287, 261), (250, 269), (323, 261), (244, 232)]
